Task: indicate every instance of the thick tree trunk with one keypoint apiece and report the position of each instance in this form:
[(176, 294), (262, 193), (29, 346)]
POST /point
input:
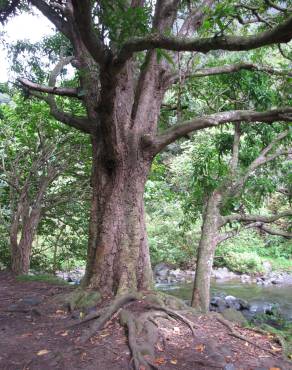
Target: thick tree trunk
[(118, 256), (205, 255)]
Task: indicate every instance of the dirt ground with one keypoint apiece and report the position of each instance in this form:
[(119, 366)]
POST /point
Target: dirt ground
[(34, 337)]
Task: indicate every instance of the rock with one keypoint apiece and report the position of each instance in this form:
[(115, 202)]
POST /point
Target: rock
[(161, 270), (229, 367), (231, 314), (31, 301), (223, 273), (244, 305), (245, 278), (218, 304), (267, 266), (232, 302)]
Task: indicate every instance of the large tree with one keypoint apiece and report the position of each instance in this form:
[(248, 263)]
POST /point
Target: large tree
[(128, 54)]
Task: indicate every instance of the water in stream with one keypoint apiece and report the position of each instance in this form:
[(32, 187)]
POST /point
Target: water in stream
[(257, 295)]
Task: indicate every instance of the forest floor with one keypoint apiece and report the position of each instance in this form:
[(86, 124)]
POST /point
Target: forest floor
[(35, 336)]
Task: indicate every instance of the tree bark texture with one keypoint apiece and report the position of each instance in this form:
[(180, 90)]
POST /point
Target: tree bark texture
[(118, 255), (21, 250), (206, 250)]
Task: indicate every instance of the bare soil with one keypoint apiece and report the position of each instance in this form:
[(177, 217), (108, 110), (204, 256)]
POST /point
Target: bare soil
[(34, 336)]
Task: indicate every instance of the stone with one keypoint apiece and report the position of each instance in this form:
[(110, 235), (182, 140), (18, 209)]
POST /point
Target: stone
[(223, 273), (245, 278), (231, 314), (161, 271), (218, 304), (31, 301), (232, 302), (229, 367), (267, 266)]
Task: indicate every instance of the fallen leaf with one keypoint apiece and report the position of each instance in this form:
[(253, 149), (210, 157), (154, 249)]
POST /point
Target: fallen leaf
[(60, 312), (141, 367), (159, 347), (200, 348), (274, 368), (174, 362), (176, 329), (25, 335), (104, 335), (64, 334), (159, 361), (276, 349), (42, 352)]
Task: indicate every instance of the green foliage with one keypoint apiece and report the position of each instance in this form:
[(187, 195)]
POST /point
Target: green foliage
[(121, 22), (247, 251), (26, 128), (246, 262)]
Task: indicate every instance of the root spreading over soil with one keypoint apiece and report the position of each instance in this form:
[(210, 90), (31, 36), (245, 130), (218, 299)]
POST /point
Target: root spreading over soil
[(134, 331)]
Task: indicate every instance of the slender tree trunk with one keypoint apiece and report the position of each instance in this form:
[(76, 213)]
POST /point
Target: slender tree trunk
[(205, 255), (21, 250), (118, 256)]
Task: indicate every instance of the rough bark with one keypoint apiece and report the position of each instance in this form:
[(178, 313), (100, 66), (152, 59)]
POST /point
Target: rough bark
[(21, 251), (206, 250), (118, 255)]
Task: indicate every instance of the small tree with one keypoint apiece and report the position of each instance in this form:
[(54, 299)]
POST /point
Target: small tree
[(33, 156), (228, 187)]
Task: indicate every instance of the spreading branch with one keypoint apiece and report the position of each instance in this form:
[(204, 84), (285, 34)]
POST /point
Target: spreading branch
[(80, 123), (213, 120), (83, 20), (203, 72), (263, 158), (61, 91), (256, 218), (277, 232), (253, 225), (59, 22), (281, 33)]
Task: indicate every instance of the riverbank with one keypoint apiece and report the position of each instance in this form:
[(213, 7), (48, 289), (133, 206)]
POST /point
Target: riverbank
[(164, 273)]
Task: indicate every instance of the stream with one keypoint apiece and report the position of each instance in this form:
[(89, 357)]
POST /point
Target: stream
[(257, 296)]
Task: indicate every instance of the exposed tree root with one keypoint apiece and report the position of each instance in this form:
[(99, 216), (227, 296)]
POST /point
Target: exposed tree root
[(235, 334), (176, 316), (104, 315), (142, 351), (142, 329)]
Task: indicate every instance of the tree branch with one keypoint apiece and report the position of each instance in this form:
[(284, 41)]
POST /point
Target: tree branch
[(60, 23), (61, 91), (230, 234), (281, 33), (255, 218), (278, 232), (258, 225), (80, 123), (262, 159), (212, 120), (235, 148), (83, 21), (203, 72)]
